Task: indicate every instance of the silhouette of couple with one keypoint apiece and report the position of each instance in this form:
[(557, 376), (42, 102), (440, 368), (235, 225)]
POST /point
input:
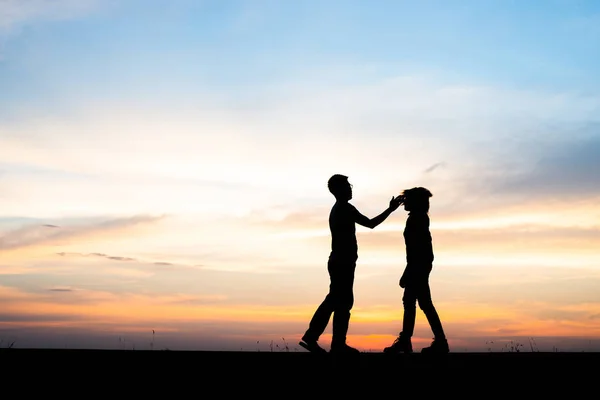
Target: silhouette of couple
[(342, 264)]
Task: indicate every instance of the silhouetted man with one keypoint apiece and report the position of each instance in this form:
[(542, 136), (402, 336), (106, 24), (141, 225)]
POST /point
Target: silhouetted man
[(415, 279), (341, 265)]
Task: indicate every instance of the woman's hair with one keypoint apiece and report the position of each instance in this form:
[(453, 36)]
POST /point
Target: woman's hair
[(418, 197)]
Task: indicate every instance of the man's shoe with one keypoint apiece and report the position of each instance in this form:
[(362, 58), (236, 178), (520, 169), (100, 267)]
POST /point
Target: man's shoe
[(438, 346), (343, 349), (312, 346), (400, 345)]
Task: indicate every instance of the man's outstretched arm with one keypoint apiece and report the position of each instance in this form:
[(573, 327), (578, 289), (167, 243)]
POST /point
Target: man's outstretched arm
[(373, 222)]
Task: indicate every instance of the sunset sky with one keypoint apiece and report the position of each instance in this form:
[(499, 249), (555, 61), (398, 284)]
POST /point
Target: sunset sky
[(164, 167)]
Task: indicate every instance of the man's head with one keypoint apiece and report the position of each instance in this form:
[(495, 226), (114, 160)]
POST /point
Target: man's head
[(416, 199), (340, 187)]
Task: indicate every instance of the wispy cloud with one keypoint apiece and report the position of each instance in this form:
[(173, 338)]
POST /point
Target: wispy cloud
[(61, 289), (517, 238), (412, 117), (587, 26), (124, 116), (434, 167), (38, 235), (489, 138), (17, 13), (564, 168), (117, 258)]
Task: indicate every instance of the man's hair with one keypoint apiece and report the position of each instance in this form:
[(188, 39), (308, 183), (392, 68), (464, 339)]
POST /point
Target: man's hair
[(336, 182)]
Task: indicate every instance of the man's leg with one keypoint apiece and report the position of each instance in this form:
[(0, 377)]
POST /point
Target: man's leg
[(320, 319), (341, 314), (343, 282)]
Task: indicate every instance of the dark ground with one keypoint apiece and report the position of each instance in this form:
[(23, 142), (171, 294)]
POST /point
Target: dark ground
[(266, 374)]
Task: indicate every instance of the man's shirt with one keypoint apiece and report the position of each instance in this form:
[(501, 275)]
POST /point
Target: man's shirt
[(342, 225)]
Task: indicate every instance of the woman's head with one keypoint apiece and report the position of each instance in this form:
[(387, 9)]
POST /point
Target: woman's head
[(416, 199)]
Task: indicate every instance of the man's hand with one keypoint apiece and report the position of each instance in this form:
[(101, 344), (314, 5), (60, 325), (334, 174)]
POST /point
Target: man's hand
[(373, 222), (395, 203)]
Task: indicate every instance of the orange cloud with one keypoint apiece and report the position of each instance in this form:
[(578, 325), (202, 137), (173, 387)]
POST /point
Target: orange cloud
[(371, 327)]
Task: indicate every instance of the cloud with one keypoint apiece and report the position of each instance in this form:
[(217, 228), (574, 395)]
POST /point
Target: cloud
[(197, 300), (38, 235), (290, 219), (61, 289), (500, 150), (38, 318), (401, 119), (15, 14), (434, 167), (119, 258), (508, 331), (114, 258), (563, 315), (565, 167), (587, 26), (119, 307), (516, 238)]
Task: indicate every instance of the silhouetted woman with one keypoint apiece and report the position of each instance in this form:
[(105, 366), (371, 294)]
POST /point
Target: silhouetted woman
[(415, 279)]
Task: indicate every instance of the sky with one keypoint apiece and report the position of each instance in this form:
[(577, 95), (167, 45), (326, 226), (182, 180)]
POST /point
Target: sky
[(164, 167)]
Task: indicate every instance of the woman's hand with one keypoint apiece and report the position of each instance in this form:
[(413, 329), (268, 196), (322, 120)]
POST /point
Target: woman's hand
[(402, 282)]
